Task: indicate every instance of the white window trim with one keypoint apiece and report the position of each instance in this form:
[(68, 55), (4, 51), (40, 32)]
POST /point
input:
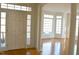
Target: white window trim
[(16, 7)]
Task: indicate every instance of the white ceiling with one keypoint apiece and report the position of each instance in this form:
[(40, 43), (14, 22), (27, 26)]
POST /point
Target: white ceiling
[(58, 7)]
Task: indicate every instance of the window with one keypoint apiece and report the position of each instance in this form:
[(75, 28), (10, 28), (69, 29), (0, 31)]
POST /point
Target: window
[(47, 24), (48, 16), (28, 35), (10, 6), (15, 7), (3, 29), (3, 15), (29, 22), (3, 5), (58, 24), (28, 29), (23, 8), (51, 25), (28, 9), (77, 21)]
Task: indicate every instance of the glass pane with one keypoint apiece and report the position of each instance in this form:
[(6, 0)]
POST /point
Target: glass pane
[(58, 26), (2, 35), (3, 5), (28, 41), (3, 28), (28, 34), (47, 26), (3, 15), (28, 17), (28, 9), (48, 16), (10, 6), (28, 22), (58, 16), (3, 21), (17, 7), (23, 8), (77, 21), (77, 17), (28, 29)]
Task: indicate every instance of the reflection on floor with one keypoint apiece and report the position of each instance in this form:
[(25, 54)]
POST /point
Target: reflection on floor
[(46, 49), (57, 48), (50, 49)]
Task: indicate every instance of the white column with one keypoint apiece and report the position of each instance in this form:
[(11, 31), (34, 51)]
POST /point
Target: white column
[(34, 26), (39, 27), (36, 16), (72, 28)]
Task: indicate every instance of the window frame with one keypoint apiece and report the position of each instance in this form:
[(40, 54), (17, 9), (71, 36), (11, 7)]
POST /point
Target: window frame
[(6, 6), (61, 24), (28, 38), (50, 18), (4, 33)]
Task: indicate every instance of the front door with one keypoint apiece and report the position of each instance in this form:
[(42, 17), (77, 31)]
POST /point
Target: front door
[(16, 30)]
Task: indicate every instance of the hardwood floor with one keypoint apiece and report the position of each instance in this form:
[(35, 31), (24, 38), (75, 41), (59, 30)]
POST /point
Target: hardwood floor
[(52, 46), (29, 51), (48, 48)]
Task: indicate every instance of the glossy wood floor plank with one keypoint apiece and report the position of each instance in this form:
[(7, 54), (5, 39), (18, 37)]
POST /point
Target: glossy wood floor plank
[(22, 51)]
